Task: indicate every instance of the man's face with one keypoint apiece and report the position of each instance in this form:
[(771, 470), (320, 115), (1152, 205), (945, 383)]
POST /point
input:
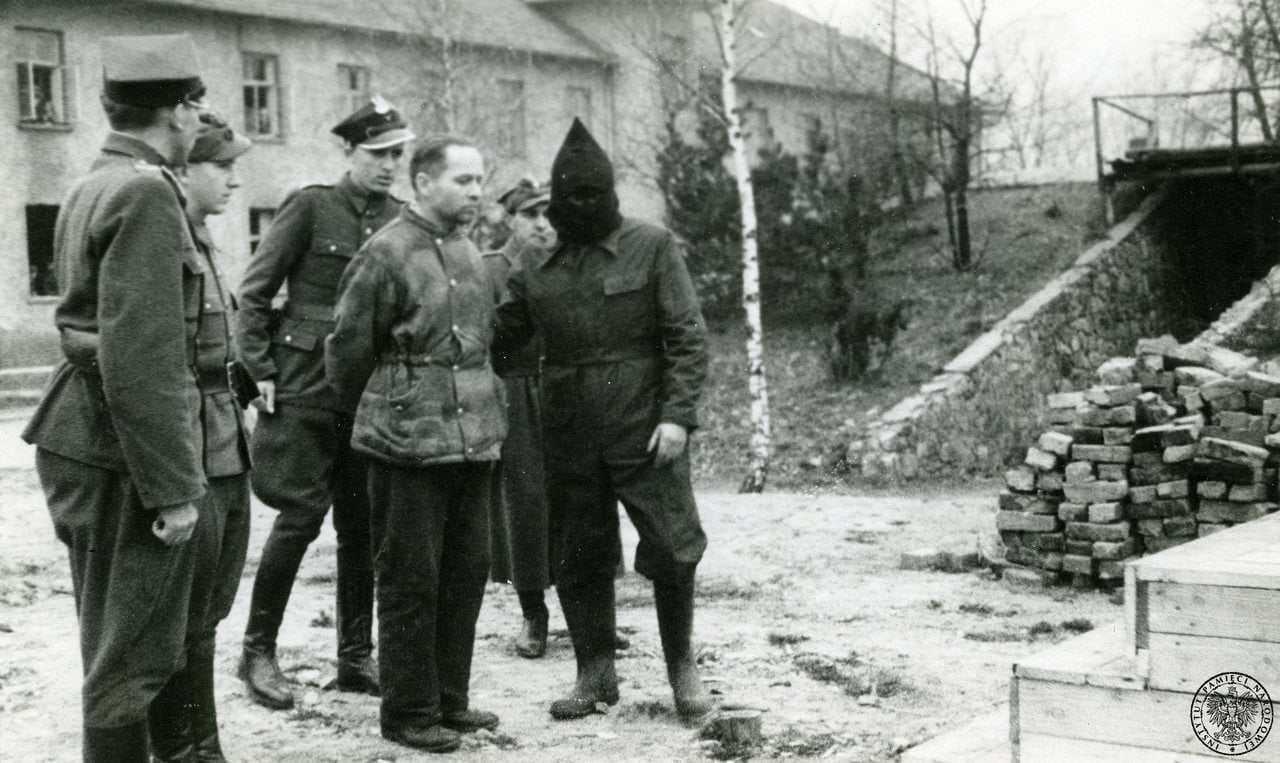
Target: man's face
[(209, 186), (454, 194), (374, 170), (530, 227)]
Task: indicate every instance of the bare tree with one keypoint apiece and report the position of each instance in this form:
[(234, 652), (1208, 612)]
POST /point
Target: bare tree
[(1245, 33)]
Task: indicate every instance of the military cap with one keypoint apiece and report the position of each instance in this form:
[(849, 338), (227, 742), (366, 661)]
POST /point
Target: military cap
[(152, 71), (216, 142), (523, 195), (375, 125)]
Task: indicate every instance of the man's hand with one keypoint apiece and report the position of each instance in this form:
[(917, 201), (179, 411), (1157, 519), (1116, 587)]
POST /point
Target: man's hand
[(266, 401), (668, 441), (175, 524)]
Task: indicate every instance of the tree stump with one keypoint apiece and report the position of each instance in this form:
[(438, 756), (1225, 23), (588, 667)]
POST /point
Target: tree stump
[(735, 729)]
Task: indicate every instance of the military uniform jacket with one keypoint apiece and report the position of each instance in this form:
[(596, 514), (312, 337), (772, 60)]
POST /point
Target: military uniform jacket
[(307, 247), (623, 337), (414, 323), (525, 361), (226, 448), (134, 284)]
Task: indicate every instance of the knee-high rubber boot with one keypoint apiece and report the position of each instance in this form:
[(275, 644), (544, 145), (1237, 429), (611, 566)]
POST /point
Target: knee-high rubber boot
[(119, 744), (675, 625), (204, 711), (271, 588), (169, 722), (589, 613), (357, 670)]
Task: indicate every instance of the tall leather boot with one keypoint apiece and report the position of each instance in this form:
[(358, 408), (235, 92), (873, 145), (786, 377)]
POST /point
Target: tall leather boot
[(271, 588), (589, 613), (169, 722), (119, 744), (675, 626), (204, 711), (357, 670)]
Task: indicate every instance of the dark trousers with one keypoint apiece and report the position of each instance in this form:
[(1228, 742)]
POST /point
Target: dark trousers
[(430, 526), (133, 593), (221, 542), (585, 483), (303, 462)]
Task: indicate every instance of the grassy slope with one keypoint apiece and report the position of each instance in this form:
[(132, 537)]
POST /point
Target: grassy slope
[(1021, 245)]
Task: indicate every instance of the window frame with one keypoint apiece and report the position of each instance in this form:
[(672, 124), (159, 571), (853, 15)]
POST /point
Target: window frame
[(575, 95), (63, 85), (511, 128), (269, 86), (256, 215), (51, 263), (349, 100)]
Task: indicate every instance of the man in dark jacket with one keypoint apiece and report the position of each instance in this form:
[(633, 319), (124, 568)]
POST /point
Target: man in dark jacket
[(411, 346), (301, 445), (625, 360), (118, 435)]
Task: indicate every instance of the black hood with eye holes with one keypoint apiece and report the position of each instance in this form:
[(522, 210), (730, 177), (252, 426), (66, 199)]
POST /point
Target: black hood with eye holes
[(584, 203)]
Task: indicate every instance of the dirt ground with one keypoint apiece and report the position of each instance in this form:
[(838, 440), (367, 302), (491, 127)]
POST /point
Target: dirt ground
[(802, 613)]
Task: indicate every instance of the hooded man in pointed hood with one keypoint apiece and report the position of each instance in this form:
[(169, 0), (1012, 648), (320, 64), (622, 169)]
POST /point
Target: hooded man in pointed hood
[(624, 363)]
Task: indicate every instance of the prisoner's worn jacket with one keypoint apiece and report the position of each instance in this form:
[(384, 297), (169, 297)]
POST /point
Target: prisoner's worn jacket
[(414, 323), (309, 244), (133, 280)]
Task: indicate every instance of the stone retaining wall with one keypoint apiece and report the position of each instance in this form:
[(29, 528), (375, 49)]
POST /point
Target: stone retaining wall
[(984, 407)]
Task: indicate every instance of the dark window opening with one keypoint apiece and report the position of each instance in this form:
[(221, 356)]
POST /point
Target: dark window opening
[(40, 265)]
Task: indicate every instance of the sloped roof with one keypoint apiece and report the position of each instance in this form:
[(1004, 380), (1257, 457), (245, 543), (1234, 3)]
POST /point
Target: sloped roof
[(507, 24)]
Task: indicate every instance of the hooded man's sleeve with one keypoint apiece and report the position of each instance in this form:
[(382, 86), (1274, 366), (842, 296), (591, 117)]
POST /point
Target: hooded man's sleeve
[(684, 337)]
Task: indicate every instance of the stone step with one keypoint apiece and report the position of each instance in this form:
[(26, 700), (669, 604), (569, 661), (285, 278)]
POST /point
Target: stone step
[(22, 379), (985, 740)]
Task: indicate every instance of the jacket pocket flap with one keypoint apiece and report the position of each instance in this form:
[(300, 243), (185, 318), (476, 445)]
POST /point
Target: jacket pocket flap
[(624, 283), (298, 340)]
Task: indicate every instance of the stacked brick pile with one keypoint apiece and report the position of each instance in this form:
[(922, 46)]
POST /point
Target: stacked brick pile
[(1171, 445)]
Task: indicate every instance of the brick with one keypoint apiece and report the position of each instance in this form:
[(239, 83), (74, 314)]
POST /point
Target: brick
[(1238, 420), (1149, 438), (1062, 416), (1049, 482), (1051, 560), (1087, 435), (1152, 526), (1106, 512), (1263, 385), (1150, 361), (1179, 527), (1272, 440), (1109, 396), (1232, 402), (1174, 489), (1112, 569), (1022, 522), (1116, 531), (1073, 512), (1142, 493), (1156, 474), (1223, 471), (1256, 439), (1271, 406), (1172, 507), (1156, 545), (1195, 376), (1055, 443), (1080, 565), (1178, 454), (1024, 555), (1227, 511), (1147, 459), (1231, 452), (1117, 436), (1219, 389), (1008, 501), (1245, 493), (1178, 434), (1078, 547), (1116, 550), (1080, 471), (1063, 400), (1110, 454), (1024, 579), (1191, 400), (1049, 541), (1113, 472), (1118, 370), (1105, 417), (1039, 459), (1096, 492), (1154, 409), (921, 559), (1020, 479), (1208, 529)]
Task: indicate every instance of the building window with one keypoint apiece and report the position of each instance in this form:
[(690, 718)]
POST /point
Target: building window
[(40, 266), (259, 220), (577, 103), (46, 86), (353, 88), (757, 131), (510, 128), (261, 95), (810, 126), (673, 60)]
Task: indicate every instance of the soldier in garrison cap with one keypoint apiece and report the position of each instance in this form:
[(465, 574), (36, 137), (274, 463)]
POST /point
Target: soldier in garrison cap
[(119, 439), (301, 444), (625, 360)]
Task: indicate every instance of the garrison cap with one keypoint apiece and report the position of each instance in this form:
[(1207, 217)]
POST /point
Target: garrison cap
[(523, 195), (152, 71), (375, 125), (216, 142)]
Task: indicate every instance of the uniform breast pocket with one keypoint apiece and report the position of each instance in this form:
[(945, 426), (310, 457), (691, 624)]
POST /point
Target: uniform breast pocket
[(330, 257), (628, 304)]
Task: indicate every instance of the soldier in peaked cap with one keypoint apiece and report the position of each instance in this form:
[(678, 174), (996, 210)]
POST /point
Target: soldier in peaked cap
[(625, 360), (119, 439), (301, 445)]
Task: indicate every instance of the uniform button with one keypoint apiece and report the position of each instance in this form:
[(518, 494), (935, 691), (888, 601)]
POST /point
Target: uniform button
[(456, 367), (459, 410), (439, 242), (367, 231), (453, 282), (333, 247), (455, 328), (288, 337), (471, 450), (208, 305)]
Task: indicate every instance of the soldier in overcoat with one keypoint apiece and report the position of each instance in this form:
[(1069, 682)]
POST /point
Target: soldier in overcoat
[(625, 361), (118, 435), (301, 444)]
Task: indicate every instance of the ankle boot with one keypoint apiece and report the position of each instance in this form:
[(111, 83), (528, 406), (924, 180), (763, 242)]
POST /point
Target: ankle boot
[(262, 678), (674, 604), (204, 711), (120, 744), (271, 588), (357, 670), (169, 722), (589, 613), (532, 641)]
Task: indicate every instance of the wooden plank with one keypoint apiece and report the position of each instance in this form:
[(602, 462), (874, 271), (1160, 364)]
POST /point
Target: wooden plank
[(1183, 663), (1159, 720), (983, 740), (1217, 559), (1096, 658), (1251, 614), (1042, 748)]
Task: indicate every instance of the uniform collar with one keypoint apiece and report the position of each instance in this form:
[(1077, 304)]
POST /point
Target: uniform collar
[(608, 245), (359, 197), (410, 214), (128, 145)]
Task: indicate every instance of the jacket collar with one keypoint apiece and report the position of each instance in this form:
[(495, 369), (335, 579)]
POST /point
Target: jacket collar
[(608, 245), (357, 196), (127, 145), (412, 215)]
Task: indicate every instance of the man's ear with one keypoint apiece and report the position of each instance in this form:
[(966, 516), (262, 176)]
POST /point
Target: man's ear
[(420, 181)]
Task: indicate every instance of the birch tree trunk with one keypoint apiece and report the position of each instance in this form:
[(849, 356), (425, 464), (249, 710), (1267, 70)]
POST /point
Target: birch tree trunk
[(730, 13)]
